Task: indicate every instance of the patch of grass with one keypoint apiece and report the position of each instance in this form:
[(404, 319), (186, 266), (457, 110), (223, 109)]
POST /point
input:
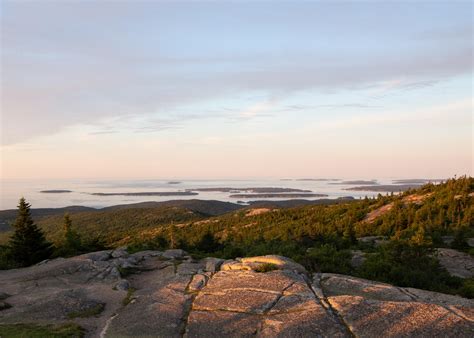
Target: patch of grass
[(129, 297), (266, 267), (92, 311), (40, 331), (467, 289)]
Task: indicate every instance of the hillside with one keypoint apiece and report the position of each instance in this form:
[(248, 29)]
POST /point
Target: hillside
[(126, 220)]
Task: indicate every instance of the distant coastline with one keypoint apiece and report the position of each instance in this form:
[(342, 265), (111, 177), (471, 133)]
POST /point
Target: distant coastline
[(146, 193), (385, 187), (57, 191), (276, 195), (250, 190)]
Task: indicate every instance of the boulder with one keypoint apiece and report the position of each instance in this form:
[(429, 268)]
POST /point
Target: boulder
[(373, 240), (254, 263), (197, 283), (98, 256), (213, 264), (146, 254), (457, 263), (372, 309), (358, 258), (368, 317), (174, 254), (120, 252)]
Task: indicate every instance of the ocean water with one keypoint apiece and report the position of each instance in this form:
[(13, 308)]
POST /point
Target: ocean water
[(12, 190)]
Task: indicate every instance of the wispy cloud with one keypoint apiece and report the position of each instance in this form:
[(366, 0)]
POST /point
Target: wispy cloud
[(437, 113), (259, 109)]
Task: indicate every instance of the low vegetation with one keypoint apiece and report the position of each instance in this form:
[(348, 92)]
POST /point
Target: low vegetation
[(129, 297), (40, 331), (88, 312), (266, 267)]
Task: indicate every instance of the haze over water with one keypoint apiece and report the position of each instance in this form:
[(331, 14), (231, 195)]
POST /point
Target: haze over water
[(81, 190)]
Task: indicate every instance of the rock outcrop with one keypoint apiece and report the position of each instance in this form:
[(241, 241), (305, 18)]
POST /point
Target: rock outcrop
[(169, 294), (457, 263)]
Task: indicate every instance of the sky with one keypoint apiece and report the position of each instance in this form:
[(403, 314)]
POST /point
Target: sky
[(242, 89)]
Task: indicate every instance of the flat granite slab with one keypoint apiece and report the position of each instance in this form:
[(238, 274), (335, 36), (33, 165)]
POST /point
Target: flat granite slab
[(169, 294)]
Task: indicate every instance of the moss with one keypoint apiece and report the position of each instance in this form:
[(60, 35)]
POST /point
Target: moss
[(89, 312), (129, 297), (266, 267), (40, 331)]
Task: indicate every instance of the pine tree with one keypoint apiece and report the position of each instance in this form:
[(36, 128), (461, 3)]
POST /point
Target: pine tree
[(28, 244), (72, 238)]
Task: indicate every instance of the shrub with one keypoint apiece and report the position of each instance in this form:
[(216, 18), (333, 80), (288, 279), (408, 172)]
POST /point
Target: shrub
[(467, 289), (408, 265), (327, 258)]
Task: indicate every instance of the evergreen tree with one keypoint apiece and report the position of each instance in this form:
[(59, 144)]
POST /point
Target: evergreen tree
[(28, 244), (72, 239), (349, 234), (208, 243)]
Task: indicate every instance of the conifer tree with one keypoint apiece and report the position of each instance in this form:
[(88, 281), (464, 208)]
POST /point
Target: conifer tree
[(28, 244), (72, 238)]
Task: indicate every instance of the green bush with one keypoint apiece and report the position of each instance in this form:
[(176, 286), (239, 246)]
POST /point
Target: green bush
[(467, 289), (6, 260), (327, 258), (405, 264)]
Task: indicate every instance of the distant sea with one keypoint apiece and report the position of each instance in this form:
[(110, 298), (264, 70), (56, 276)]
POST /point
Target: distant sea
[(81, 190)]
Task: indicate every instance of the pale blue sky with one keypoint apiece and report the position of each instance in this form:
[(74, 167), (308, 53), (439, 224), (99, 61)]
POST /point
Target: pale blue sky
[(236, 89)]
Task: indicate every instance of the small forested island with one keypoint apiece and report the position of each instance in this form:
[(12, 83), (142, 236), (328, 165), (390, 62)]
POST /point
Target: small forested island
[(147, 193), (175, 182), (55, 191), (277, 195), (357, 182), (419, 181), (249, 190), (318, 179), (384, 187)]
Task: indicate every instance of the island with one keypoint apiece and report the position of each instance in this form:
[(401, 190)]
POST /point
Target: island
[(357, 182), (147, 193), (174, 182), (317, 179), (419, 181), (56, 191), (385, 188), (276, 195), (249, 190)]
